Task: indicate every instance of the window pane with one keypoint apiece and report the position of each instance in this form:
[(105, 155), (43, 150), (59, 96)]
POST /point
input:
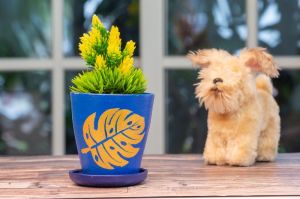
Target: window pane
[(288, 97), (25, 113), (194, 24), (279, 26), (78, 14), (25, 28), (186, 125), (70, 139)]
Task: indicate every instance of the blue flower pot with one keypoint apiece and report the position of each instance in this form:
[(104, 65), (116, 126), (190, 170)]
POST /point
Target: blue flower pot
[(111, 131)]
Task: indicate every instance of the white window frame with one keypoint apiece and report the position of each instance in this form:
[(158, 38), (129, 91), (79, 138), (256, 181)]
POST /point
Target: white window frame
[(153, 60)]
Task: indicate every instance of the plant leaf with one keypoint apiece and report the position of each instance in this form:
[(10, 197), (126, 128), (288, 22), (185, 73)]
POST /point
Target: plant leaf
[(114, 139)]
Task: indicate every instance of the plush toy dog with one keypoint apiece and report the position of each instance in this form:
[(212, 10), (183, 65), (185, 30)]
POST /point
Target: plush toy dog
[(243, 117)]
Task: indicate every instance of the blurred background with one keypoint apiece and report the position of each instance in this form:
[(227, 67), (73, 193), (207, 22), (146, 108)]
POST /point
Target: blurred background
[(39, 56)]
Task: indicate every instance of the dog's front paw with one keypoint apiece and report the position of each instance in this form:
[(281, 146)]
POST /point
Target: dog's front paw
[(242, 158), (266, 157), (241, 162), (210, 161), (209, 158)]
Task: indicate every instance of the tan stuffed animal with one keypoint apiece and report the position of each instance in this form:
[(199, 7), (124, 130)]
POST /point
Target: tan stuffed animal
[(243, 117)]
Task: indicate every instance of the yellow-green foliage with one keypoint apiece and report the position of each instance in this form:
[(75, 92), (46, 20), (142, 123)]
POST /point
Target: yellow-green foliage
[(111, 69)]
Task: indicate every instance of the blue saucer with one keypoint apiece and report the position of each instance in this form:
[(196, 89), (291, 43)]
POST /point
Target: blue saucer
[(122, 180)]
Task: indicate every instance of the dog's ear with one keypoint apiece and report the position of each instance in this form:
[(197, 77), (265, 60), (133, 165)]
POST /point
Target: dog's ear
[(201, 57), (258, 59)]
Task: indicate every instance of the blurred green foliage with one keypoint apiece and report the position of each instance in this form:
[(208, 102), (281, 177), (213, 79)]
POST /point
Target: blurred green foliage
[(25, 28), (25, 113), (78, 14), (194, 24)]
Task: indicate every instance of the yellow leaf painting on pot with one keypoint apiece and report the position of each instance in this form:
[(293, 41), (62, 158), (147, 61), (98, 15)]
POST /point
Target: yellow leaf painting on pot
[(117, 132)]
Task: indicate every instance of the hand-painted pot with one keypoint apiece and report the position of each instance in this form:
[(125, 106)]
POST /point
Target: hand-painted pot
[(111, 131)]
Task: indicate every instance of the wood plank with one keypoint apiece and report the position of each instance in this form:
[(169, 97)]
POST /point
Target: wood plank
[(169, 176)]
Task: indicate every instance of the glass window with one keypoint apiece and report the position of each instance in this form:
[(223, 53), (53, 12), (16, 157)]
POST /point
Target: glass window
[(78, 15), (25, 113), (25, 28), (186, 125), (279, 26), (194, 24), (70, 139), (288, 97)]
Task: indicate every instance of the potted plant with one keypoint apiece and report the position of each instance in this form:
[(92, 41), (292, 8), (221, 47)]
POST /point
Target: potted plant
[(110, 110)]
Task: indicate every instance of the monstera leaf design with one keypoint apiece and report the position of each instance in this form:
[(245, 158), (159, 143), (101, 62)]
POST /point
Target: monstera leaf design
[(117, 132)]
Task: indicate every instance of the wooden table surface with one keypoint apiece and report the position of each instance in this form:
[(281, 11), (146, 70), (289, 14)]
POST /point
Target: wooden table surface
[(169, 176)]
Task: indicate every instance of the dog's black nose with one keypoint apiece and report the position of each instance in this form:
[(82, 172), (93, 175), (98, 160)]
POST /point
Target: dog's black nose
[(216, 80)]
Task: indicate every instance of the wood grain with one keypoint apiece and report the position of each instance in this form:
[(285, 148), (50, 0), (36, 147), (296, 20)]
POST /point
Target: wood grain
[(169, 176)]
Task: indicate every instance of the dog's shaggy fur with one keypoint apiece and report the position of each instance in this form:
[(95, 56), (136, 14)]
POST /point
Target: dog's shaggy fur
[(243, 117)]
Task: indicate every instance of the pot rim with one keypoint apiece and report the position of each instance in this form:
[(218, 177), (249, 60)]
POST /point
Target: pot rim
[(119, 94)]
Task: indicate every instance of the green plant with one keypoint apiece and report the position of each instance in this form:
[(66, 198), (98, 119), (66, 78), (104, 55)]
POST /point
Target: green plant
[(111, 70)]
